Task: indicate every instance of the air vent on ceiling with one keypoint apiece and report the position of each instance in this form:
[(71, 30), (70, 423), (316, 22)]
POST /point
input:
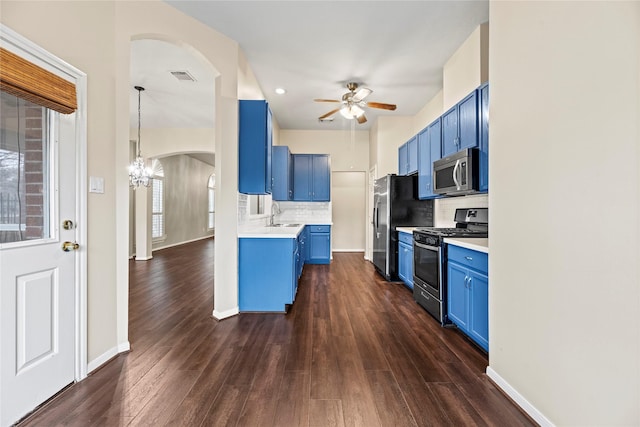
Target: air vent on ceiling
[(184, 76)]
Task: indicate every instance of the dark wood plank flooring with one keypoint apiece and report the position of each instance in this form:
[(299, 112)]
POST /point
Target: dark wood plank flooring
[(354, 350)]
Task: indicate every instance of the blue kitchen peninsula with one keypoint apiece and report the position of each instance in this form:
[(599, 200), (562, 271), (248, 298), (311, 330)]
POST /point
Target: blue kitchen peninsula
[(270, 260)]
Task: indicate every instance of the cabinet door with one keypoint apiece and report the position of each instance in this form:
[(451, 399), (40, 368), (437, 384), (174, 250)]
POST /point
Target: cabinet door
[(412, 155), (458, 295), (321, 179), (403, 159), (450, 132), (254, 147), (479, 308), (281, 171), (403, 264), (468, 121), (319, 248), (484, 137), (425, 165), (429, 145), (302, 177)]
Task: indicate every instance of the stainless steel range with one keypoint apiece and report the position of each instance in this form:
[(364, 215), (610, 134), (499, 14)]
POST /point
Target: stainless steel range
[(429, 263)]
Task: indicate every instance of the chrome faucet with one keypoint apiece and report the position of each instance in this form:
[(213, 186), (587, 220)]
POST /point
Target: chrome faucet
[(275, 205)]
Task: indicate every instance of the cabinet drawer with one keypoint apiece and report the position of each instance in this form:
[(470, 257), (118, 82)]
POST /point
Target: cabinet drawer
[(468, 257), (405, 237), (319, 228)]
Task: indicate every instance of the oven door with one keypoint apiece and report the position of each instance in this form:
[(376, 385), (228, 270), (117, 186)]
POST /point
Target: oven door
[(426, 267)]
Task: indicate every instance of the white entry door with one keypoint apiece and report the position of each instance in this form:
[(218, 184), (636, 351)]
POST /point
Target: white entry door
[(38, 277)]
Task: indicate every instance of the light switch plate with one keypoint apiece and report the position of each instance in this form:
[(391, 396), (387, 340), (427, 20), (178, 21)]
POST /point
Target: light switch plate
[(96, 184)]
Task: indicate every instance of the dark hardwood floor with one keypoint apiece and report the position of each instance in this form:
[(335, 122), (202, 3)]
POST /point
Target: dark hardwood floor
[(353, 350)]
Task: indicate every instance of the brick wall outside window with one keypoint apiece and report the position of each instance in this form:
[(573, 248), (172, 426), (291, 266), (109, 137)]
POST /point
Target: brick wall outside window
[(34, 158)]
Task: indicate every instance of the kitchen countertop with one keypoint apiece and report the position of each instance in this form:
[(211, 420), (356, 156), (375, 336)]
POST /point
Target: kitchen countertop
[(275, 232), (406, 229), (477, 244)]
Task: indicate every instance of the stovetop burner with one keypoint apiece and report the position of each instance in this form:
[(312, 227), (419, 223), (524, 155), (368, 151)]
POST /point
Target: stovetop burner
[(452, 232)]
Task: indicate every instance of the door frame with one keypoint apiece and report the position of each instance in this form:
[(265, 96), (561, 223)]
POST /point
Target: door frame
[(30, 51)]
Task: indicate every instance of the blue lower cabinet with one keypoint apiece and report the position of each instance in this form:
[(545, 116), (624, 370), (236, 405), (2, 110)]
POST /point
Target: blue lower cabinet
[(405, 258), (318, 244), (267, 273), (468, 293)]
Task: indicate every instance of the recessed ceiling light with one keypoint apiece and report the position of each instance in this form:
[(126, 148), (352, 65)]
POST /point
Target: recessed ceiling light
[(280, 91)]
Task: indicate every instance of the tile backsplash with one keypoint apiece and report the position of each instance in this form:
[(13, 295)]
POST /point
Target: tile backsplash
[(444, 209), (289, 212), (304, 212)]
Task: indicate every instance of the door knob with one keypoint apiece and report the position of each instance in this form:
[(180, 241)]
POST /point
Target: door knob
[(70, 246)]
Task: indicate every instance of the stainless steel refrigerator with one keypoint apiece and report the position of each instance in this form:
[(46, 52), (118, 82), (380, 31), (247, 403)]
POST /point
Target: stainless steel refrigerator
[(395, 204)]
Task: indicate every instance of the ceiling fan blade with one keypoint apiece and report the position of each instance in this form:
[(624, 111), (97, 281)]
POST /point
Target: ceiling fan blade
[(381, 105), (361, 93), (330, 113), (361, 118), (326, 100)]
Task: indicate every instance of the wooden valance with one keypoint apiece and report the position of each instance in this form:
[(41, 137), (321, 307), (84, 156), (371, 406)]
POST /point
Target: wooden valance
[(28, 81)]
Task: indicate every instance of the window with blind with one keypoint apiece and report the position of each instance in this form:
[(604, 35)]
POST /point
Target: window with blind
[(157, 203)]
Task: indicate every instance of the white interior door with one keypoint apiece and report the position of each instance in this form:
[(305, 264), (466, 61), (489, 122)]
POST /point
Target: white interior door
[(37, 296)]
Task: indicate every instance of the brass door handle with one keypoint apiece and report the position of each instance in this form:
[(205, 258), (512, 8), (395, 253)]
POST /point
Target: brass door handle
[(70, 246)]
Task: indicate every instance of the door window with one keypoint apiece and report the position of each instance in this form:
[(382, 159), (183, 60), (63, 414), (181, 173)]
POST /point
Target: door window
[(25, 170)]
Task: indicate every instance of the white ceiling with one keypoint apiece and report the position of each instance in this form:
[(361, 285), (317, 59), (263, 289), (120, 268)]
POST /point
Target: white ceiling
[(312, 49)]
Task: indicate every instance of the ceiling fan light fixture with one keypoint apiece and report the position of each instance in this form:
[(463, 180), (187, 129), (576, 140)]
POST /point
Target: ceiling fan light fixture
[(351, 111)]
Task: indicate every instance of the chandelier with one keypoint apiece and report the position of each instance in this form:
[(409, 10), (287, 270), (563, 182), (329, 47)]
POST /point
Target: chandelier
[(138, 173)]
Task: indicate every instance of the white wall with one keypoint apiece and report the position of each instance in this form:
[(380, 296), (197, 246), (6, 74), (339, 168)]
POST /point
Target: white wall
[(564, 208), (186, 200), (346, 155), (467, 68), (95, 37)]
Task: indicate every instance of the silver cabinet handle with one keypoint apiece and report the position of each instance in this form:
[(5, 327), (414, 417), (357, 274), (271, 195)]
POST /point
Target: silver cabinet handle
[(468, 258)]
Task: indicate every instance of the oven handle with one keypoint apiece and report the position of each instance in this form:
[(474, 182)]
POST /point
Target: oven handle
[(429, 248)]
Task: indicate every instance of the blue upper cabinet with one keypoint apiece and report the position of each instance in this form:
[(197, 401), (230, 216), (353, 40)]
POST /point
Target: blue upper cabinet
[(408, 157), (302, 169), (321, 182), (311, 178), (412, 151), (254, 147), (403, 159), (483, 92), (429, 143), (282, 170), (460, 126)]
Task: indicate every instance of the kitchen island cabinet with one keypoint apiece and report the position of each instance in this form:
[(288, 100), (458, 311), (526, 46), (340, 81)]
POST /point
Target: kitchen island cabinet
[(267, 273), (468, 292)]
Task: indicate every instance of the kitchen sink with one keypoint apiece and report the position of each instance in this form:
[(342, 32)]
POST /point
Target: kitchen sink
[(284, 225)]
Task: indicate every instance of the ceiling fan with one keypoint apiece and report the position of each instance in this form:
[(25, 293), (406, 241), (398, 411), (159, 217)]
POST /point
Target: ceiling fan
[(352, 103)]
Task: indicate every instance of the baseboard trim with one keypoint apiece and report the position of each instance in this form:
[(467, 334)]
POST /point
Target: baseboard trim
[(143, 258), (211, 236), (526, 406), (221, 315), (348, 250)]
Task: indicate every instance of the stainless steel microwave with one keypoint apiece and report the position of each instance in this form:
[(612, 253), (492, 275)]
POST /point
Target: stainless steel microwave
[(456, 174)]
